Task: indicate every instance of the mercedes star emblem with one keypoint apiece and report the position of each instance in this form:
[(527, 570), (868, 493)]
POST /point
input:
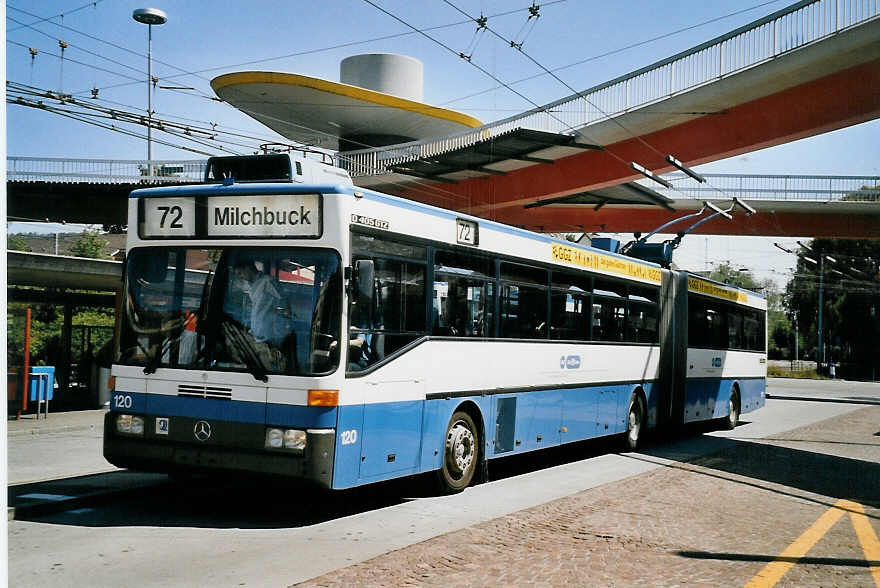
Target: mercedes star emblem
[(202, 430)]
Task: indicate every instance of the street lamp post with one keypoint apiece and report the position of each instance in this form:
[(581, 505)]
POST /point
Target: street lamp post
[(149, 17)]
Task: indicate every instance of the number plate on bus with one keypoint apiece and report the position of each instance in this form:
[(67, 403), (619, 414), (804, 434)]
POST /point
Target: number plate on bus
[(169, 217), (467, 232)]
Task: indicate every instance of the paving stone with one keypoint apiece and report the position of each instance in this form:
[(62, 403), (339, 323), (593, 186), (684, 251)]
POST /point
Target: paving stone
[(716, 521)]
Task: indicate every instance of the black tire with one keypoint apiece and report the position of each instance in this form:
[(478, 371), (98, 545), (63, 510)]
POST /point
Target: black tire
[(635, 423), (461, 453), (733, 410)]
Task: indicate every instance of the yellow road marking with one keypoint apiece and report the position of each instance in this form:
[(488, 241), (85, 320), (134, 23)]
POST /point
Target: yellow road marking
[(867, 537), (773, 571)]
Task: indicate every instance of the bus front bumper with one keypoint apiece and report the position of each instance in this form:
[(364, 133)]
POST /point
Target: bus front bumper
[(169, 455)]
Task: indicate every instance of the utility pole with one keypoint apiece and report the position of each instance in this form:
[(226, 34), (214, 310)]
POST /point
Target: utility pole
[(820, 350)]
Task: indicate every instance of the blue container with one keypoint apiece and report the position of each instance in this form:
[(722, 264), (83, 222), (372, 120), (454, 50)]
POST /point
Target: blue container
[(43, 384), (606, 243)]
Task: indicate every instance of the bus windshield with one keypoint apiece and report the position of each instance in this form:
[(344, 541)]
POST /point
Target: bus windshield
[(257, 309)]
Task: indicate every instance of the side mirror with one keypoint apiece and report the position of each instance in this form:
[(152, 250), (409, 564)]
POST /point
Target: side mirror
[(364, 272)]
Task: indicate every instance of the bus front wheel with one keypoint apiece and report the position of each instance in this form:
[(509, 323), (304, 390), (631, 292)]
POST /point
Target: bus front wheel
[(460, 453)]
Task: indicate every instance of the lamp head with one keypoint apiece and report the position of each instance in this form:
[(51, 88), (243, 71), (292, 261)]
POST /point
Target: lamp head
[(149, 16)]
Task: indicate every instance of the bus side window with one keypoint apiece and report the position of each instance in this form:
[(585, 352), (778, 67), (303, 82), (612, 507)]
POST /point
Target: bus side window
[(397, 316)]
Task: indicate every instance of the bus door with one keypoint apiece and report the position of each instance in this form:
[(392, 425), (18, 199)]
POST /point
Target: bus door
[(392, 426), (673, 348), (393, 386)]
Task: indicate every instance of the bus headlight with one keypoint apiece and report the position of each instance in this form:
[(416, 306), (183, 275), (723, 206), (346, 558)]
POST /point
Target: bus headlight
[(294, 439), (290, 439), (129, 424)]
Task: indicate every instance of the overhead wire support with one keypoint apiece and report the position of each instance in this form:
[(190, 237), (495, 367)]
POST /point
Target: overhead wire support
[(650, 175), (682, 167), (534, 13)]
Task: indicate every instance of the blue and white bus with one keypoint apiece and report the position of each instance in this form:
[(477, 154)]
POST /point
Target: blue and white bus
[(279, 319)]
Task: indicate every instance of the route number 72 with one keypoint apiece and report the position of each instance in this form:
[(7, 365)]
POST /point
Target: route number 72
[(176, 214), (467, 232)]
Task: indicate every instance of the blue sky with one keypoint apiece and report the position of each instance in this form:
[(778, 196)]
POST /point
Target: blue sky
[(216, 37)]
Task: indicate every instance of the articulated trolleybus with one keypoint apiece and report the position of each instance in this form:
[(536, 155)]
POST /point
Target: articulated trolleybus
[(279, 319)]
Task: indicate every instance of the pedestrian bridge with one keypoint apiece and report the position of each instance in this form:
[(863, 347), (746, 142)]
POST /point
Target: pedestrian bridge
[(96, 191), (808, 69)]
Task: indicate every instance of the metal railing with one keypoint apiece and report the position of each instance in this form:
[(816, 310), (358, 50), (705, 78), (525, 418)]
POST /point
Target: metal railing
[(800, 188), (765, 39), (718, 187), (104, 171)]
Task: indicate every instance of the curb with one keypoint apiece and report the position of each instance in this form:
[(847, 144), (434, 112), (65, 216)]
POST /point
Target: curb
[(826, 399), (49, 431)]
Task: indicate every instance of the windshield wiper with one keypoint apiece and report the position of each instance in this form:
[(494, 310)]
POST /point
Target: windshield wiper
[(234, 335), (154, 360)]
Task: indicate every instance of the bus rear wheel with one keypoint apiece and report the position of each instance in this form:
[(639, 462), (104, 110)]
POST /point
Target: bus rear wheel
[(733, 410), (635, 423), (461, 453)]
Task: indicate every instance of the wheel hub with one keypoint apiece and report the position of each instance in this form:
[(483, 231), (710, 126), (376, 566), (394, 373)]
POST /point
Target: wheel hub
[(460, 448)]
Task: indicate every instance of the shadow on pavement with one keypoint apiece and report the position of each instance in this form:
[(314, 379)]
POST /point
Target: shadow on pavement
[(256, 502), (762, 465), (824, 561), (209, 501)]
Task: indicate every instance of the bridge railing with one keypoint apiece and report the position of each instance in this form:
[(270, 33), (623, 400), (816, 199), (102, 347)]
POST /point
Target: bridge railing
[(765, 39), (104, 171), (800, 188)]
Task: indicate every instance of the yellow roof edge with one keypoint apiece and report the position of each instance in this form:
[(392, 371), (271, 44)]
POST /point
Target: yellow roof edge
[(267, 77)]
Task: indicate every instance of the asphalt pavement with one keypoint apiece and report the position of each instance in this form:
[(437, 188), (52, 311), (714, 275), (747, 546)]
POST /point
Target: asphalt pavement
[(55, 466)]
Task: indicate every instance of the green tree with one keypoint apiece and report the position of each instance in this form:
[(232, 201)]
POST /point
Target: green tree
[(17, 243), (727, 274), (847, 270), (90, 245)]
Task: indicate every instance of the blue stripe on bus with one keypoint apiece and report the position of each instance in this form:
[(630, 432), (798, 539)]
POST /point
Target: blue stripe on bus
[(246, 189), (237, 411), (400, 438), (207, 408), (708, 398), (307, 417)]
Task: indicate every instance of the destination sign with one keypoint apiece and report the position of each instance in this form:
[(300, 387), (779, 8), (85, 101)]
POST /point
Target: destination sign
[(289, 215), (257, 216), (717, 290), (605, 263)]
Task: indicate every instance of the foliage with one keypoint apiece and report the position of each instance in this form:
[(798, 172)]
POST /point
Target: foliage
[(847, 270), (90, 245), (778, 372), (17, 243), (46, 325)]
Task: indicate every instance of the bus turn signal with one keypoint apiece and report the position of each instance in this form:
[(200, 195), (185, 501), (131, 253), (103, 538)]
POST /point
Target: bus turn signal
[(323, 397)]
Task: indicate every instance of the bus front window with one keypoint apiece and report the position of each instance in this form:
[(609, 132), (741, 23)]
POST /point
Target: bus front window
[(262, 310)]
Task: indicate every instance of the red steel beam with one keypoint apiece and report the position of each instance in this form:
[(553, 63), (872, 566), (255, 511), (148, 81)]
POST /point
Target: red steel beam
[(765, 223), (839, 100)]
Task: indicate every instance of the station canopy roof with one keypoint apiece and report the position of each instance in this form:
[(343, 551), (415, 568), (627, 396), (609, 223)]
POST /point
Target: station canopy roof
[(522, 148)]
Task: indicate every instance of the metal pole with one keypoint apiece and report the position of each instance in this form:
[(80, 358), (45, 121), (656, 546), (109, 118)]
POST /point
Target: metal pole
[(27, 361), (150, 99), (820, 351)]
